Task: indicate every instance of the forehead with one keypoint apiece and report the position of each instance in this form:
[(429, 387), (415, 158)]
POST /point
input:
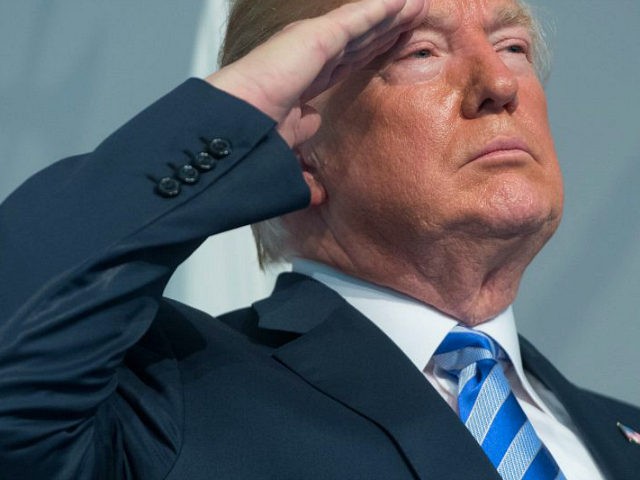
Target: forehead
[(450, 15)]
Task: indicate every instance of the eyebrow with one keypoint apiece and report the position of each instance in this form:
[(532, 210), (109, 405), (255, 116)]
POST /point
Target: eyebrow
[(511, 16), (440, 21), (503, 17)]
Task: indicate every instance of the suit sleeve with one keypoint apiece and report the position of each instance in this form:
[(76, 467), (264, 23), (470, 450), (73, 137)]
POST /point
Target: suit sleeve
[(86, 248)]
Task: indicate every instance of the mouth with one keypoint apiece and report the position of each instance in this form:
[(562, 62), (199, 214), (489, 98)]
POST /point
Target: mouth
[(503, 150)]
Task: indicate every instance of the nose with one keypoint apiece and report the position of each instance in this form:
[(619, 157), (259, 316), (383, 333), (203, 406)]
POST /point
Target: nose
[(491, 88)]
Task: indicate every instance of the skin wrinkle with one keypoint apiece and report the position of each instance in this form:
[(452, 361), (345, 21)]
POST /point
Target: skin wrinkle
[(261, 20), (406, 209)]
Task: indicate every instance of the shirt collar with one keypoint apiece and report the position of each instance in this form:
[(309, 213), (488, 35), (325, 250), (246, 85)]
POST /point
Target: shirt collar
[(416, 328)]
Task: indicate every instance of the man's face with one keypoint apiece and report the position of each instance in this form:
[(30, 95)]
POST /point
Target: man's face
[(446, 136)]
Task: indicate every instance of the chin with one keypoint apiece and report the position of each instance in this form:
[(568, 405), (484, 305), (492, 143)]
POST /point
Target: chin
[(521, 221), (515, 207)]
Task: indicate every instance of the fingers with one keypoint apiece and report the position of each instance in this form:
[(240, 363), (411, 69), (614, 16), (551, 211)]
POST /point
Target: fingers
[(310, 56), (369, 28), (408, 17), (338, 71), (355, 26), (300, 125), (361, 18)]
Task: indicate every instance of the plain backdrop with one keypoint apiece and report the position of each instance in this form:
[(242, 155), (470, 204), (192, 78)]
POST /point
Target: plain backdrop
[(72, 71)]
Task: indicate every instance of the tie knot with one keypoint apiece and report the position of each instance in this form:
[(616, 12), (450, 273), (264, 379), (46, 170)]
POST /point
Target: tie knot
[(489, 409), (463, 347)]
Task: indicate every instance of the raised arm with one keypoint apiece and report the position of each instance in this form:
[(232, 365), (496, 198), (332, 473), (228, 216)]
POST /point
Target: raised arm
[(87, 245)]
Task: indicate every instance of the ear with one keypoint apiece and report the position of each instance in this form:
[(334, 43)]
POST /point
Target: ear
[(311, 176)]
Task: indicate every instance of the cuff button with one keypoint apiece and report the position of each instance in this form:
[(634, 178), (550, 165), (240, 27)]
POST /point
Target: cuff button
[(168, 187), (220, 148), (204, 162), (188, 175)]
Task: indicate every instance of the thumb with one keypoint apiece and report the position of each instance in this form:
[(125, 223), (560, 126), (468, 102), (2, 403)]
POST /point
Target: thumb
[(300, 125)]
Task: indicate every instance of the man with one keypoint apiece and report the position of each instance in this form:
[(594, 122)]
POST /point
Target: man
[(429, 180)]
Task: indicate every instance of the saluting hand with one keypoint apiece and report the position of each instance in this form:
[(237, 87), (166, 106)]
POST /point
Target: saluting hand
[(308, 57)]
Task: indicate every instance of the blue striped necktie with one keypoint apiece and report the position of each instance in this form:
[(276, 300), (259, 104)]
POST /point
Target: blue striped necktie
[(489, 409)]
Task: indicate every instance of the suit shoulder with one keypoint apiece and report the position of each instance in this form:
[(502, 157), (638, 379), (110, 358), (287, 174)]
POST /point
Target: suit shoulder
[(622, 408), (190, 330)]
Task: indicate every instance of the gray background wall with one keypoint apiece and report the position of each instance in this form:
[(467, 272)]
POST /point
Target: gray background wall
[(72, 71), (583, 290)]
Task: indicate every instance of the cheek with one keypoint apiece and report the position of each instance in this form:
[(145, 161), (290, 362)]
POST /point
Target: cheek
[(403, 127), (534, 114), (537, 123), (390, 147), (425, 123)]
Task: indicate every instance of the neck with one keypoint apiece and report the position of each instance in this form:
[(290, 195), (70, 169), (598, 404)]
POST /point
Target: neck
[(467, 277)]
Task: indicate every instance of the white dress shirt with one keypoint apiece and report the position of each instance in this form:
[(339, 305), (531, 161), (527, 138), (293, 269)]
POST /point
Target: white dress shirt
[(418, 329)]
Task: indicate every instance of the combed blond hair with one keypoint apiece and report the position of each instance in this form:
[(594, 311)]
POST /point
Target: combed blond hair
[(252, 22)]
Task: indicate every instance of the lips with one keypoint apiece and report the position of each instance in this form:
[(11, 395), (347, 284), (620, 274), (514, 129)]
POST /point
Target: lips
[(501, 147)]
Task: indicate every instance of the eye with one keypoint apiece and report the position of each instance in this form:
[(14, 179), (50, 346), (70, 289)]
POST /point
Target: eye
[(516, 48), (422, 53)]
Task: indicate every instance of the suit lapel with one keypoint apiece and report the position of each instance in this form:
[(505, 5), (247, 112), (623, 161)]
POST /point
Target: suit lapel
[(345, 356), (595, 417)]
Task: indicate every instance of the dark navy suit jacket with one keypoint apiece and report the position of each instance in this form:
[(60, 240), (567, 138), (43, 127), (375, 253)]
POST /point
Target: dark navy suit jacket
[(100, 377)]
